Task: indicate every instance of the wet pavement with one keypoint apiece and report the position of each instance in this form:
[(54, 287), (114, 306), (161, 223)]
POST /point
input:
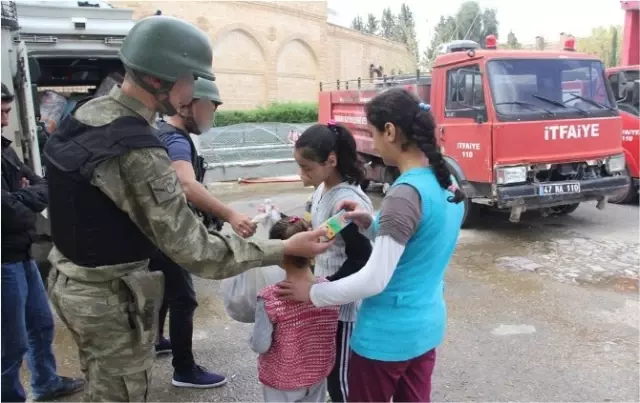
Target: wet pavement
[(543, 310)]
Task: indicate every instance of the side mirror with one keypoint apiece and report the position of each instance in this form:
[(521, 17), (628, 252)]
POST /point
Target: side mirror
[(622, 85)]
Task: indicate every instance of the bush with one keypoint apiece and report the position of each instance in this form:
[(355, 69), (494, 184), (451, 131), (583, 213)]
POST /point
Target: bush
[(289, 112)]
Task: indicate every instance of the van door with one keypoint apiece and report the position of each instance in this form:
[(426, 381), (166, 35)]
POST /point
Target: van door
[(464, 130), (28, 115)]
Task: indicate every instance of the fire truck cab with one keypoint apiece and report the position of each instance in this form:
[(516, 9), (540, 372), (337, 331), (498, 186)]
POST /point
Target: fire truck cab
[(625, 83), (520, 130)]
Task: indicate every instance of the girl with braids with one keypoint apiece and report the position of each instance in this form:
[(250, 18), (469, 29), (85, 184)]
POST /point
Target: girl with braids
[(403, 315), (328, 161)]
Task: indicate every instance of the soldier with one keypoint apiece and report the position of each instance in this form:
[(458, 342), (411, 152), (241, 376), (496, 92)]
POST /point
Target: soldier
[(179, 295), (114, 198)]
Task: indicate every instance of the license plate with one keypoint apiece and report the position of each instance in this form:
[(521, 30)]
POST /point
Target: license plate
[(559, 188)]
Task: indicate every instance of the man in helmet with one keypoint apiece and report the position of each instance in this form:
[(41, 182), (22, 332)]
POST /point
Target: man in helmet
[(179, 295), (114, 198)]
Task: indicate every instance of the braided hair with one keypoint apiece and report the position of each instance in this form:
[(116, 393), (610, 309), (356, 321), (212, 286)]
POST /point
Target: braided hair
[(414, 120), (318, 141)]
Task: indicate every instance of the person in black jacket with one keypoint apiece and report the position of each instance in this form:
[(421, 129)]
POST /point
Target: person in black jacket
[(27, 322)]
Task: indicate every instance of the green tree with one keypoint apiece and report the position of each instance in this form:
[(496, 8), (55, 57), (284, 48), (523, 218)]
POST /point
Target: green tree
[(469, 22), (388, 25), (357, 24), (601, 43), (613, 58), (373, 25), (406, 26)]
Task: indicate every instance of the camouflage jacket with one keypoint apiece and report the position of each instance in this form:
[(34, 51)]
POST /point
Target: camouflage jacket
[(143, 184)]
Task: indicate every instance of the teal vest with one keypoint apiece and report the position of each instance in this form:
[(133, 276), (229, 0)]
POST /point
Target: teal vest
[(408, 318)]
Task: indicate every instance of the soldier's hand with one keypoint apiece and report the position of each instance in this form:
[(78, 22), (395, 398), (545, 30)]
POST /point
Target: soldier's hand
[(242, 225), (307, 244)]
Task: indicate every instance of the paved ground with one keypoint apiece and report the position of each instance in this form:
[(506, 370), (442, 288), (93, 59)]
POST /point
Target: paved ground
[(544, 310)]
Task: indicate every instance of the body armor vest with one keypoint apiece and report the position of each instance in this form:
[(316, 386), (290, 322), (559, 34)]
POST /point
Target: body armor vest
[(165, 129), (86, 225)]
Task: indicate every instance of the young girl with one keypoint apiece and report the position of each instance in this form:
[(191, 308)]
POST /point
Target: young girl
[(295, 340), (328, 161), (403, 314)]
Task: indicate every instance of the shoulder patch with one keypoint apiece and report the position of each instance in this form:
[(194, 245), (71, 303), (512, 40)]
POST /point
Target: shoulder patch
[(165, 188)]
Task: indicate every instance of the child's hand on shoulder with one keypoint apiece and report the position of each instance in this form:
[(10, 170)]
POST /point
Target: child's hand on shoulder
[(299, 290)]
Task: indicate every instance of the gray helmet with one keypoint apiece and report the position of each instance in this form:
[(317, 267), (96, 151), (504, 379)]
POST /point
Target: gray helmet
[(167, 48), (206, 89)]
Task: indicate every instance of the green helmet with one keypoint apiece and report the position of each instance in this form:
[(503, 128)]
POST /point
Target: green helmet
[(167, 48), (206, 89)]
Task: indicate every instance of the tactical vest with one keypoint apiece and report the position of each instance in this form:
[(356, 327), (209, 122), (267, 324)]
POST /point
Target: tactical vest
[(165, 130), (86, 225)]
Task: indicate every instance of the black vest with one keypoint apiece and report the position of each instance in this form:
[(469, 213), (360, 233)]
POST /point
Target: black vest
[(165, 129), (86, 226)]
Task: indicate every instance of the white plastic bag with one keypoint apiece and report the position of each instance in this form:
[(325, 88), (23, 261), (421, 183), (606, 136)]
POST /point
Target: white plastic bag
[(240, 292)]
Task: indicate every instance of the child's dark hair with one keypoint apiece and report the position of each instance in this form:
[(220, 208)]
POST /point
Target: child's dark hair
[(318, 141), (402, 109), (287, 227)]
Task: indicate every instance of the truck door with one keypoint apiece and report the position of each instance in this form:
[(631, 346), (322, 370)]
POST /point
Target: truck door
[(464, 130)]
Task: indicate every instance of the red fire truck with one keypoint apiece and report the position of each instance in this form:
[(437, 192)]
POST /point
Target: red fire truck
[(625, 83), (520, 130)]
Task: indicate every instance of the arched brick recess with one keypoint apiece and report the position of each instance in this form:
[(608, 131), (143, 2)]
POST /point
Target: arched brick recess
[(296, 68), (240, 64)]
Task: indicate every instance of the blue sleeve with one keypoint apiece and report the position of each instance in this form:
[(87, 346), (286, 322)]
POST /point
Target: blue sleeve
[(178, 147)]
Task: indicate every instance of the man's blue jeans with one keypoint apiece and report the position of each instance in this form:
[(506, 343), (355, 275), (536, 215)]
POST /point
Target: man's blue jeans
[(27, 327)]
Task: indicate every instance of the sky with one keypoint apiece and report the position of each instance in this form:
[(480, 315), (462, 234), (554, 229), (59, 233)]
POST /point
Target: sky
[(527, 19)]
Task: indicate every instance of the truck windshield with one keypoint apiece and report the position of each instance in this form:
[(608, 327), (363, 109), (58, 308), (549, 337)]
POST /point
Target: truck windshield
[(535, 89)]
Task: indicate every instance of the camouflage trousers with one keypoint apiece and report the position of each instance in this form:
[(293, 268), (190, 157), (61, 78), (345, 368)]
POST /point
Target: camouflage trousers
[(115, 339)]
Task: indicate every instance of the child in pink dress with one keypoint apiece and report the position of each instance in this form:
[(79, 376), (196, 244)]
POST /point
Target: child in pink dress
[(296, 341)]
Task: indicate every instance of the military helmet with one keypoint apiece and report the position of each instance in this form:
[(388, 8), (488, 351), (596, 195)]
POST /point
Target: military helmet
[(167, 48), (206, 89)]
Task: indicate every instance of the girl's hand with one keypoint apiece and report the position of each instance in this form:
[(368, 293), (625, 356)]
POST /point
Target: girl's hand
[(355, 213), (348, 205), (361, 218), (294, 291)]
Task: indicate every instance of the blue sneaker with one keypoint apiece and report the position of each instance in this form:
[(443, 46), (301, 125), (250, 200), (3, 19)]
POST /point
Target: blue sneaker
[(163, 347), (198, 378)]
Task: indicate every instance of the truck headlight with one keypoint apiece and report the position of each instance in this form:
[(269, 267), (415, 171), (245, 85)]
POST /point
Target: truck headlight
[(508, 175), (616, 163)]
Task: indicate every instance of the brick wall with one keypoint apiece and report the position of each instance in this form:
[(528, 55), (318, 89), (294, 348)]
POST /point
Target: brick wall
[(278, 51)]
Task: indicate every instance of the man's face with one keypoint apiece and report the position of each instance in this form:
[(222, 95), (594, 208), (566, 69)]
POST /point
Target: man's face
[(6, 108), (203, 111), (181, 93)]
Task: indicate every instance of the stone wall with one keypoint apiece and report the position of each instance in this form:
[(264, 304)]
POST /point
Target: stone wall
[(278, 51)]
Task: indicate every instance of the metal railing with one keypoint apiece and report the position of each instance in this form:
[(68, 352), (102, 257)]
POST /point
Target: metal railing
[(376, 83), (250, 143)]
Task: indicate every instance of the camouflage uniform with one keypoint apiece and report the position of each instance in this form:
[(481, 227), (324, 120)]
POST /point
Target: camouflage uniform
[(111, 311)]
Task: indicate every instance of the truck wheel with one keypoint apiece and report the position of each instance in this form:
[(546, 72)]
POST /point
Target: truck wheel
[(625, 196), (563, 210), (472, 214)]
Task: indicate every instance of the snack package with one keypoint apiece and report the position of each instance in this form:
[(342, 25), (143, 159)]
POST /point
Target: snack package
[(335, 224)]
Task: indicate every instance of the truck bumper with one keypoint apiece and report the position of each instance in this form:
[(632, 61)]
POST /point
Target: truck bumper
[(529, 197)]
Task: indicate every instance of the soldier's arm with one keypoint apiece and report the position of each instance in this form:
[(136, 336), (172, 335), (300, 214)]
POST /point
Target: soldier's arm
[(143, 184), (196, 192)]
